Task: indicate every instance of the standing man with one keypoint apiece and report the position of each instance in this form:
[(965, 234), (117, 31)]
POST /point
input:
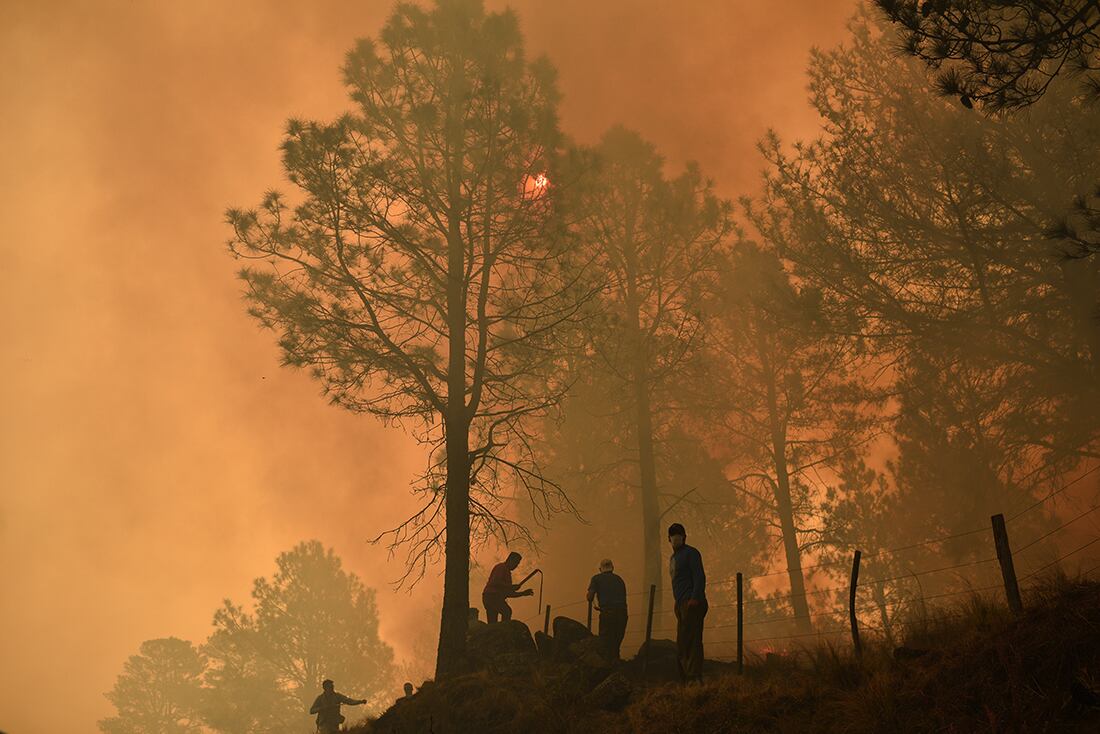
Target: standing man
[(608, 588), (689, 590), (327, 708), (499, 588)]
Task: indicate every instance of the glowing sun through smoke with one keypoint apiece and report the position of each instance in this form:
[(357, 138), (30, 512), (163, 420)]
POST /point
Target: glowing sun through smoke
[(535, 186)]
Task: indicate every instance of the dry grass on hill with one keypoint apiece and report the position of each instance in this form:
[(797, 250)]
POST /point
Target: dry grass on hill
[(983, 671)]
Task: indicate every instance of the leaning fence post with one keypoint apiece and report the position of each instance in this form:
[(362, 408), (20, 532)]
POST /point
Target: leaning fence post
[(546, 624), (852, 604), (649, 625), (740, 627), (1008, 571), (589, 616)]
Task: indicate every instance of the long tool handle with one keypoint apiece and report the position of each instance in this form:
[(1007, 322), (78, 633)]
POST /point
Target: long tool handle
[(528, 577)]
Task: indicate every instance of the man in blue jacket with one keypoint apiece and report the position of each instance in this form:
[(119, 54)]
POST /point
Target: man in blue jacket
[(689, 590)]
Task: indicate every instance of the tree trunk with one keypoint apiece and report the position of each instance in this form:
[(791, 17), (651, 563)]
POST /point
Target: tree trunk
[(456, 580), (880, 602), (785, 508), (451, 658), (643, 422), (647, 465)]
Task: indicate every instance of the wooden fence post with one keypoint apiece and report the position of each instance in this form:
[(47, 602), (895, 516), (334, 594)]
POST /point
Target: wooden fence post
[(1008, 570), (590, 616), (740, 626), (546, 624), (852, 605), (649, 626)]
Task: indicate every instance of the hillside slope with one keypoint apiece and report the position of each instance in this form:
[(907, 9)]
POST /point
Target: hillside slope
[(972, 668)]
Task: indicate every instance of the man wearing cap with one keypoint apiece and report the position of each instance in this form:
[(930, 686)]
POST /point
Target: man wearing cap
[(608, 588), (327, 708), (499, 588), (689, 590)]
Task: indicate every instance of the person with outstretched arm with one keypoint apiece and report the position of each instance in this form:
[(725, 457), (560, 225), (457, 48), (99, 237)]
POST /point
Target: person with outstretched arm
[(327, 707), (689, 583), (499, 588), (609, 590)]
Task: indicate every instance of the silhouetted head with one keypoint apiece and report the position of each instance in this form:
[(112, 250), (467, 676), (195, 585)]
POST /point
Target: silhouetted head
[(513, 560), (677, 536), (408, 689), (473, 613), (607, 565), (328, 686)]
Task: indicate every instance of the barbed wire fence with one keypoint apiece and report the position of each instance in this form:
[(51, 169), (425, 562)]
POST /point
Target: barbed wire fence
[(748, 615)]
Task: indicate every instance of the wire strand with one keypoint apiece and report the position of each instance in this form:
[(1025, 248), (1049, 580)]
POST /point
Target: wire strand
[(1055, 530), (1060, 559), (1066, 486), (931, 570)]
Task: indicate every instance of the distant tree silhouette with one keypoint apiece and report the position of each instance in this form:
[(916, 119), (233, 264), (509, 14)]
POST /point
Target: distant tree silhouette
[(863, 509), (159, 690), (789, 400), (422, 277), (245, 693), (311, 621), (594, 451), (927, 225), (655, 243), (1002, 55)]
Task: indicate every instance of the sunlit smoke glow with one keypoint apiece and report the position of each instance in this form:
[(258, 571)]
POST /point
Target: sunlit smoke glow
[(534, 187)]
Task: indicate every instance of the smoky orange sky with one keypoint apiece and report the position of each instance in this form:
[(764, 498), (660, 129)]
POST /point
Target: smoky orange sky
[(154, 457)]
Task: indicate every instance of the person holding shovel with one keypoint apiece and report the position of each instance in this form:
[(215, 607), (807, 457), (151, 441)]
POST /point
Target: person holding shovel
[(499, 589)]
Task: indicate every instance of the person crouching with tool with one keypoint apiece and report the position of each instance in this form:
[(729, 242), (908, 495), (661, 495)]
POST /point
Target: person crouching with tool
[(609, 590), (499, 588)]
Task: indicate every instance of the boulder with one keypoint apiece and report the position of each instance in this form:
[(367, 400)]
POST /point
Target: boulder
[(661, 663), (657, 650), (590, 653), (588, 663), (510, 642), (512, 664), (611, 695), (567, 631), (545, 645)]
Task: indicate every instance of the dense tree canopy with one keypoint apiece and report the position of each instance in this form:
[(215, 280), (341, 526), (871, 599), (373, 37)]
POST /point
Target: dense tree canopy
[(311, 621), (263, 664), (424, 276), (1002, 54), (928, 227), (655, 243), (159, 690)]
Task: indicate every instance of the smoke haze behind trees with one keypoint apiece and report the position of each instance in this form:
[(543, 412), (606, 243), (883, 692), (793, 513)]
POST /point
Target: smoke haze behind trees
[(154, 457)]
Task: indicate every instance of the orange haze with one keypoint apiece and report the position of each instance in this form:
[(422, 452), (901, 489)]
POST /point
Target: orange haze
[(154, 457)]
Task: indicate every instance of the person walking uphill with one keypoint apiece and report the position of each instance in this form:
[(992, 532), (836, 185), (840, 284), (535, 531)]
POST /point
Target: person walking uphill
[(608, 588), (327, 708), (499, 588), (689, 590)]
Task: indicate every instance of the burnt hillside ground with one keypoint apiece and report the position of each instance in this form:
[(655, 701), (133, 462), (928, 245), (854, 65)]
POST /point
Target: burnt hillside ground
[(969, 668)]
